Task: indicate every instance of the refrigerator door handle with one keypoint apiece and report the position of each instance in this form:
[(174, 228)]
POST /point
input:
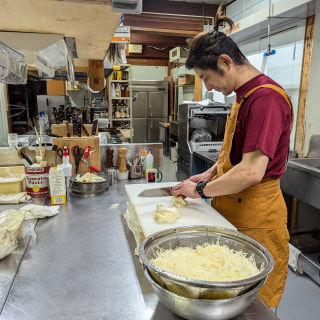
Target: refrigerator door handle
[(134, 96)]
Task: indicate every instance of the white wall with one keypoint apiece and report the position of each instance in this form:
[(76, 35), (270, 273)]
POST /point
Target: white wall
[(286, 64), (149, 72)]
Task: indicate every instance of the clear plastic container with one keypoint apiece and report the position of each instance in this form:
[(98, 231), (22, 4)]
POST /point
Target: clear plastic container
[(149, 161)]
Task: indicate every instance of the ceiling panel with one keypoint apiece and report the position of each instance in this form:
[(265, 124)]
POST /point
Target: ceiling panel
[(92, 25)]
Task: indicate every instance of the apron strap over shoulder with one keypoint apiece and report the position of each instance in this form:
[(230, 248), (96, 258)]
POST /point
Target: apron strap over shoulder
[(284, 94)]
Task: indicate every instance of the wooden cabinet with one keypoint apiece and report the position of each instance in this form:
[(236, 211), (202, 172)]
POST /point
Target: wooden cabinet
[(56, 87)]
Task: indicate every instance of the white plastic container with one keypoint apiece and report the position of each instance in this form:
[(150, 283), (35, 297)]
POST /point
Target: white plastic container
[(67, 167), (122, 175)]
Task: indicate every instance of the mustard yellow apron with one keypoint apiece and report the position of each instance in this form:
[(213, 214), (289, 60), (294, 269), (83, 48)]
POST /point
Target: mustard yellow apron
[(258, 211)]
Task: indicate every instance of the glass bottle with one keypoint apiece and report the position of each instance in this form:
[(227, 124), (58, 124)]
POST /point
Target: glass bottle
[(127, 111), (127, 91), (113, 109), (113, 90), (121, 109), (117, 112), (118, 90)]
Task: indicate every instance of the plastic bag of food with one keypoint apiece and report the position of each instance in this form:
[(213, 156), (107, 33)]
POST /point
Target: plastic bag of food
[(10, 229), (34, 211)]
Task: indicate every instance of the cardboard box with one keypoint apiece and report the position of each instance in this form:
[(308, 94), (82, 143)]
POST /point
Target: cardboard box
[(17, 186), (186, 79)]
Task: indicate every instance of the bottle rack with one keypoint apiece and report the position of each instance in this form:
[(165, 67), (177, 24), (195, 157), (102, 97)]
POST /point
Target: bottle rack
[(120, 100)]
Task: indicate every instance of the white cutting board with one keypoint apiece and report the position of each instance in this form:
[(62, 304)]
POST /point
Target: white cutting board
[(197, 212)]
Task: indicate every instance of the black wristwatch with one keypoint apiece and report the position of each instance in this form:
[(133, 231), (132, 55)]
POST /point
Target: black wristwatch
[(199, 188)]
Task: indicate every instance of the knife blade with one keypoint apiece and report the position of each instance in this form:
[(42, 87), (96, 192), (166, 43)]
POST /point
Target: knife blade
[(156, 192)]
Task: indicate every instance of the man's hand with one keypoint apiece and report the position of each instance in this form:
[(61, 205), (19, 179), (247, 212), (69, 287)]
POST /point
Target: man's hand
[(186, 189)]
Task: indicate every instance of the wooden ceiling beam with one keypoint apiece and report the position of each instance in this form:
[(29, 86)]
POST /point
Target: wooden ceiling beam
[(164, 22), (157, 40), (164, 32), (150, 52), (147, 62), (180, 8)]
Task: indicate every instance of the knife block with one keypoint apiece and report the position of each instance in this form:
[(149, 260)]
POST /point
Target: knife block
[(61, 130), (82, 142)]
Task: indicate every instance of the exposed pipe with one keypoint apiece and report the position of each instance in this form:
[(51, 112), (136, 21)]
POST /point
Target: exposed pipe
[(269, 52)]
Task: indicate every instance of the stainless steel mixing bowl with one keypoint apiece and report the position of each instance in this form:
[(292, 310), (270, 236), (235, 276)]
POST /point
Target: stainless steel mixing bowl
[(201, 309), (191, 236), (89, 188)]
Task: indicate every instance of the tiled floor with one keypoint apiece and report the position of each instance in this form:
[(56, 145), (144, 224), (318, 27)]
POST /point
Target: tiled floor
[(301, 298)]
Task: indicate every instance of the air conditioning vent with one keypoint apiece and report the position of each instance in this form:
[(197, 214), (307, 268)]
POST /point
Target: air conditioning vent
[(178, 53)]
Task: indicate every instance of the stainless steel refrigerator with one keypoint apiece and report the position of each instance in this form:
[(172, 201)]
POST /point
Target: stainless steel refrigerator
[(149, 108)]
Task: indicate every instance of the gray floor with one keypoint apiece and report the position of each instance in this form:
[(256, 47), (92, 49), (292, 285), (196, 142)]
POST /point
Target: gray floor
[(301, 298)]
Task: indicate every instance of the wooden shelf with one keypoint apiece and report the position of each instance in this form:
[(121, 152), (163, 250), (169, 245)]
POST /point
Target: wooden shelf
[(120, 98), (128, 102), (121, 81)]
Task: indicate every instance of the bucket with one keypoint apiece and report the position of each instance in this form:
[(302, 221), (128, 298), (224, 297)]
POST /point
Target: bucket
[(37, 181), (136, 171)]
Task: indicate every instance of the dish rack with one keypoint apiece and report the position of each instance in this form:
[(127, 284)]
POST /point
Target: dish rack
[(206, 146)]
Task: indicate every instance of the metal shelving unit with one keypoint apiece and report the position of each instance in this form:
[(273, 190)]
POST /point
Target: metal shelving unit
[(120, 102)]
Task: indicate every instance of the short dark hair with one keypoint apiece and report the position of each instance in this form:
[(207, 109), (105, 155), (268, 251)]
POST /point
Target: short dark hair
[(206, 47)]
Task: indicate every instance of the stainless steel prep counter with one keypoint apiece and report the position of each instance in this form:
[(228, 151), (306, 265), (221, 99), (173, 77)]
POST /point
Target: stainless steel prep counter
[(82, 266)]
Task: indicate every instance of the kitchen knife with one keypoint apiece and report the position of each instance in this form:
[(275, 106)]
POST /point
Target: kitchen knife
[(68, 114), (61, 112), (84, 116), (75, 127), (94, 127), (24, 156), (54, 135), (68, 129), (157, 192), (91, 115), (85, 130), (79, 127)]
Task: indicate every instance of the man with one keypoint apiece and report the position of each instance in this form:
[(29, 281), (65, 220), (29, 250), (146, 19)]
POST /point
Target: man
[(245, 182)]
